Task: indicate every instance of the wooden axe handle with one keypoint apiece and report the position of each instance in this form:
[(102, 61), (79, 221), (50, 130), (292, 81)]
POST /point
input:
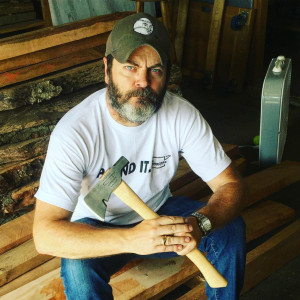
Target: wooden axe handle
[(129, 197)]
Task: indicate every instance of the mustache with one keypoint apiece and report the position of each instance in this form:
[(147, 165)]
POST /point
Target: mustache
[(146, 92)]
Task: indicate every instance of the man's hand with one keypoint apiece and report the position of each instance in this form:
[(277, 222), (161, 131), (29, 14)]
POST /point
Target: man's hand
[(195, 236), (148, 236)]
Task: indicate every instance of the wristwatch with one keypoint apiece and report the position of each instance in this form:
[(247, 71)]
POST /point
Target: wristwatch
[(203, 222)]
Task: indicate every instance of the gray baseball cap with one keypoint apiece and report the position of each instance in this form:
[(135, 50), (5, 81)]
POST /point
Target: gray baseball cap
[(135, 31)]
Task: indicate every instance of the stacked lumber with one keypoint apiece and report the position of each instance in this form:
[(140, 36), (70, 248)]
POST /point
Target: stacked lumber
[(19, 15), (43, 74), (37, 276)]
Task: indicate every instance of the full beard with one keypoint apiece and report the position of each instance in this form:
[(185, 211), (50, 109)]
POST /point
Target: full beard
[(148, 103)]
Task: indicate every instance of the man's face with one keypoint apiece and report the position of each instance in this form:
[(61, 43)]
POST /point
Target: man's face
[(137, 87)]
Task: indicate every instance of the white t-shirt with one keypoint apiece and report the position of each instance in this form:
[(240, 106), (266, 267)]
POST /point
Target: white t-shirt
[(87, 141)]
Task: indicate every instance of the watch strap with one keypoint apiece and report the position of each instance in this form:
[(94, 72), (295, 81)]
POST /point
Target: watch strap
[(203, 222)]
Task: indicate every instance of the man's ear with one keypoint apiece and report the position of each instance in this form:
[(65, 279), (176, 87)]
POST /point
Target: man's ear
[(106, 78)]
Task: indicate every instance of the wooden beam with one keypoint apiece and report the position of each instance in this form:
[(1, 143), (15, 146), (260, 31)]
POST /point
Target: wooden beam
[(264, 217), (31, 275), (272, 255), (16, 232), (53, 36), (183, 7), (50, 66), (46, 12), (53, 52), (19, 260), (13, 8), (214, 38)]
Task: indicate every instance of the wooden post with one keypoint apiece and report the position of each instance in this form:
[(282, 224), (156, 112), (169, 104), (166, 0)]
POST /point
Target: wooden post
[(213, 42)]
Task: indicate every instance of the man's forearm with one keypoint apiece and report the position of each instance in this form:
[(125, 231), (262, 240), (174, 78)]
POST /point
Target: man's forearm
[(225, 204), (74, 240)]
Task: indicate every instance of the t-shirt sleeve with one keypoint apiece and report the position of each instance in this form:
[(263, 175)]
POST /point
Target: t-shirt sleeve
[(62, 174), (200, 148)]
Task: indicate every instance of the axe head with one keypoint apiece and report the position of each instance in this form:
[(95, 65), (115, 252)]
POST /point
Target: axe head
[(98, 196)]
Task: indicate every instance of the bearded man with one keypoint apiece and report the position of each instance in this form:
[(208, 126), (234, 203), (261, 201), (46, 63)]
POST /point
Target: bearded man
[(136, 118)]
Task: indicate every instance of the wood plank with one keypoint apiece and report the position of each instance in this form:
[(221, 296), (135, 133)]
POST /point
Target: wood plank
[(265, 217), (13, 8), (272, 255), (23, 150), (53, 52), (240, 52), (22, 26), (53, 36), (50, 284), (31, 275), (19, 260), (183, 7), (16, 18), (54, 65), (16, 232), (266, 182), (196, 293), (150, 279), (46, 12)]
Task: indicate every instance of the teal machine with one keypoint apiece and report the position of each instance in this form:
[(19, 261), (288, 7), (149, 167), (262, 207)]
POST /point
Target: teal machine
[(274, 111)]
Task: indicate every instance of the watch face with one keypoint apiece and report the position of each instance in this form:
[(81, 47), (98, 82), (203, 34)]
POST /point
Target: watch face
[(206, 224)]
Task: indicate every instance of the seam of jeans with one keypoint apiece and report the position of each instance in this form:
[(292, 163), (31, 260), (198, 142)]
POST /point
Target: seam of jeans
[(213, 248)]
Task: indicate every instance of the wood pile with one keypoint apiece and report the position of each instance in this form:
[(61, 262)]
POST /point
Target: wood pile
[(27, 275), (23, 15)]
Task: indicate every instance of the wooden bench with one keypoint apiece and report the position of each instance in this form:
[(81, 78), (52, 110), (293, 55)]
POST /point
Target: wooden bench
[(25, 274)]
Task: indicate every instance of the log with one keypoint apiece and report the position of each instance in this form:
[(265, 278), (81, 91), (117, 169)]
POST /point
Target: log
[(27, 133), (23, 150), (19, 199), (51, 86), (19, 260), (16, 175), (53, 36), (41, 114), (50, 66)]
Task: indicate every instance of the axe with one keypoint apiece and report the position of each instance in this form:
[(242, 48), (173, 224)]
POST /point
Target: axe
[(112, 181)]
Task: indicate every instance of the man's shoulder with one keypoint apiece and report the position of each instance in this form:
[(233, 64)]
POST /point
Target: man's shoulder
[(82, 112), (174, 103)]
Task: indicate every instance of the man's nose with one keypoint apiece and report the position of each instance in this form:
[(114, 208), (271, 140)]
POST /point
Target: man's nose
[(142, 79)]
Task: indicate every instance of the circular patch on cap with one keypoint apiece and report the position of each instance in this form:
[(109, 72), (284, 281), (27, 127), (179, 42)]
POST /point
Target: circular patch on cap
[(143, 26)]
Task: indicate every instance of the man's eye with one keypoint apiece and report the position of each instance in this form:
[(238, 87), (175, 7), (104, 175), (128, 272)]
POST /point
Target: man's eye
[(130, 68), (156, 71)]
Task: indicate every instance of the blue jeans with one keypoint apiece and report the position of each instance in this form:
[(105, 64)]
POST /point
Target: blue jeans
[(226, 250)]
